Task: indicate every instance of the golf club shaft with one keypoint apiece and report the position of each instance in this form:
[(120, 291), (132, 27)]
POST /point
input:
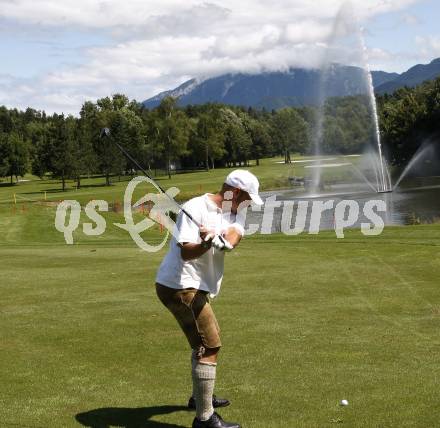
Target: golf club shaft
[(139, 167), (160, 187)]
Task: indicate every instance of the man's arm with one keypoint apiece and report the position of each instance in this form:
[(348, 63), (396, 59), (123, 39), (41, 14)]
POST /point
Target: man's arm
[(233, 236), (190, 251)]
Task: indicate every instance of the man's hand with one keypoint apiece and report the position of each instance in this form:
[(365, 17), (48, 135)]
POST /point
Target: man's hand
[(233, 236), (220, 243), (206, 235), (190, 251), (210, 238)]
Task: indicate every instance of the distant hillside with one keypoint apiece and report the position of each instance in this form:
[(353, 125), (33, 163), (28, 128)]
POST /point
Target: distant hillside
[(381, 77), (413, 77), (296, 87)]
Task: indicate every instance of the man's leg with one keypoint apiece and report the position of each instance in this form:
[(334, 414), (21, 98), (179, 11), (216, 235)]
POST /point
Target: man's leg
[(209, 357), (192, 310), (203, 371), (203, 376)]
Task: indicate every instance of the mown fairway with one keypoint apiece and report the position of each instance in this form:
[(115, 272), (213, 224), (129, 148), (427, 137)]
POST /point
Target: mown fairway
[(306, 321), (271, 173)]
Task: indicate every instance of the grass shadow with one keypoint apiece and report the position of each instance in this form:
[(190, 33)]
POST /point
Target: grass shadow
[(88, 186), (138, 417)]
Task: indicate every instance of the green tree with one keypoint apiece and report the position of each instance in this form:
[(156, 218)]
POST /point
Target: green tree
[(259, 132), (207, 139), (127, 129), (42, 149), (87, 133), (404, 121), (334, 139), (237, 141), (110, 159), (15, 155), (348, 125), (173, 129), (4, 154), (289, 132), (62, 135), (152, 149)]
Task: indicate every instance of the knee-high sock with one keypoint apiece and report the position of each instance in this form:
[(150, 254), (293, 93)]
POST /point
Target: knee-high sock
[(203, 376), (194, 360)]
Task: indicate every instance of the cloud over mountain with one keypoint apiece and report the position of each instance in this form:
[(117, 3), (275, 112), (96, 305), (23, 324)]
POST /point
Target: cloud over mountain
[(151, 46)]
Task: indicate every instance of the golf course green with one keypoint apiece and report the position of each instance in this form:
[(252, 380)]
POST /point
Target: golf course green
[(306, 321)]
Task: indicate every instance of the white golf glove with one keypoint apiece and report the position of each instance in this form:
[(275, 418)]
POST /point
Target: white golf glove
[(218, 242), (221, 243)]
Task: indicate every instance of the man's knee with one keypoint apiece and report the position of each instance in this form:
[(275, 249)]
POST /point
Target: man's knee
[(207, 355), (210, 352)]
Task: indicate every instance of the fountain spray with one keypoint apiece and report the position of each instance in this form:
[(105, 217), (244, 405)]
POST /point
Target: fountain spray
[(384, 182)]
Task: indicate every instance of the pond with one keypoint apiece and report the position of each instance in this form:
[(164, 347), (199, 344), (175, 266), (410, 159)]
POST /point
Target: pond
[(417, 200)]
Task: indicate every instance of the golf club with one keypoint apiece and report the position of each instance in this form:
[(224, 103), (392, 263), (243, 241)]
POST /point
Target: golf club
[(105, 133)]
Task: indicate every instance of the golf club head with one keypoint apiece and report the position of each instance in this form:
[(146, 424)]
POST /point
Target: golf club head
[(105, 132)]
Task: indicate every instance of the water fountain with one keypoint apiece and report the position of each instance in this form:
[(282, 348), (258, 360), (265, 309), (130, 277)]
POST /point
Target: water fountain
[(424, 152), (365, 178), (345, 25), (384, 180)]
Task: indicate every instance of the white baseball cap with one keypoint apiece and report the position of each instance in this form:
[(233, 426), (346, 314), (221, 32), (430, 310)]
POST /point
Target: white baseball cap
[(245, 180)]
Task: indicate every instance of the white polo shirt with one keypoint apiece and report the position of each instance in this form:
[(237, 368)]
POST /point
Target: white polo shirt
[(205, 272)]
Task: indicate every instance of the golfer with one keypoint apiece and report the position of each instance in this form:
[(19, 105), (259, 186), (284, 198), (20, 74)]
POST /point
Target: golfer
[(192, 272)]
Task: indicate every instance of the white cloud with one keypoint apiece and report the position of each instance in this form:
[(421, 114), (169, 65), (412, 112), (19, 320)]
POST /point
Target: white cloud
[(429, 46), (135, 13), (410, 19), (158, 45)]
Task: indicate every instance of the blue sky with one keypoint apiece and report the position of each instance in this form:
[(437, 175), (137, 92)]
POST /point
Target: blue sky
[(398, 31), (37, 51), (56, 54)]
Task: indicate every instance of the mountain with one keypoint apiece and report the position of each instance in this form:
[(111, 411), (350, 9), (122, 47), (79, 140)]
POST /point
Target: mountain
[(413, 77), (295, 87), (179, 92), (381, 77)]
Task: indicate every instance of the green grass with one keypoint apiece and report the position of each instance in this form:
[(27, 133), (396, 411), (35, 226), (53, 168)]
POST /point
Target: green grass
[(306, 321), (272, 175)]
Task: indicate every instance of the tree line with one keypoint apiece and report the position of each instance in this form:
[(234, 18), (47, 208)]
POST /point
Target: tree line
[(409, 118), (170, 137)]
